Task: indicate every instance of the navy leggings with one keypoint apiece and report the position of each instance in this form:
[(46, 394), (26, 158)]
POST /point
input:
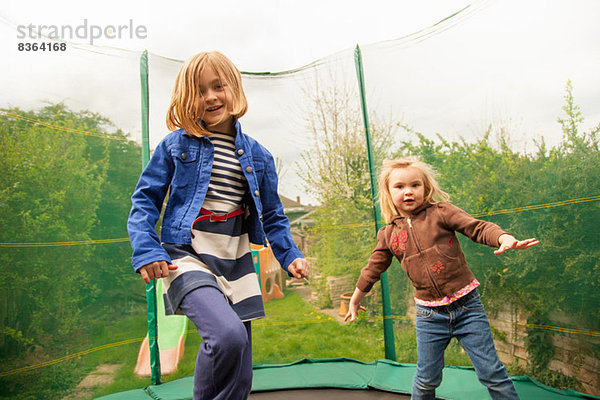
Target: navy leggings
[(224, 363)]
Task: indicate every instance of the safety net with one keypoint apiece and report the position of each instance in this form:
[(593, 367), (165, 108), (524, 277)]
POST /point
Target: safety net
[(509, 121)]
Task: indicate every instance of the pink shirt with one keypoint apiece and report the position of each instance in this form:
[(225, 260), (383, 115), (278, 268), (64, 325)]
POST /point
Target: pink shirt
[(444, 301)]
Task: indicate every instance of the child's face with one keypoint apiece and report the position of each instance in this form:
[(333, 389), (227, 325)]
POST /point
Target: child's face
[(407, 189), (216, 102)]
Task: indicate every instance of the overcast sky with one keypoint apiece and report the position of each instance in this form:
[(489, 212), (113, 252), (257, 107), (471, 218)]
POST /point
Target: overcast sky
[(503, 62), (259, 35)]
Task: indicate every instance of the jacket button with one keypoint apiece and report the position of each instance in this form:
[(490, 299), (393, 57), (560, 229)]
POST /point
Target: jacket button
[(183, 156), (240, 152), (256, 193), (248, 169)]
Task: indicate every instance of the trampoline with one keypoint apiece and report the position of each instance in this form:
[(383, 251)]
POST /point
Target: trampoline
[(328, 393), (478, 90), (343, 378)]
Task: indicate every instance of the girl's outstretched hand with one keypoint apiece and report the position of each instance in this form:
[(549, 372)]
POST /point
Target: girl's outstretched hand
[(509, 242), (354, 305), (353, 310), (156, 269), (299, 268)]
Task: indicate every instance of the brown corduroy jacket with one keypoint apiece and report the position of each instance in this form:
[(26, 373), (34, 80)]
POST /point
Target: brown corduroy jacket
[(428, 249)]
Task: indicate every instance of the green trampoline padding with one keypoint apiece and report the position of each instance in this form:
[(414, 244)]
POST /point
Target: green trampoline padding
[(458, 382)]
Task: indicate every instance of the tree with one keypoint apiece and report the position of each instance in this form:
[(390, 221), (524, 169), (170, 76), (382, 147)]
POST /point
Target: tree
[(569, 253), (481, 177), (64, 180), (116, 284), (336, 172)]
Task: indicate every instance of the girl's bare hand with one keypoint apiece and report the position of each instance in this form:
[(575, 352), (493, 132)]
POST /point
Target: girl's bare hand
[(156, 269), (299, 268), (353, 310), (509, 242)]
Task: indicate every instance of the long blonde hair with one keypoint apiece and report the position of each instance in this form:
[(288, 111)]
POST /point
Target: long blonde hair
[(184, 110), (433, 192)]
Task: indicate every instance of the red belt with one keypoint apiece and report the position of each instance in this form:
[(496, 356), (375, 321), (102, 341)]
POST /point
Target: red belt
[(214, 216)]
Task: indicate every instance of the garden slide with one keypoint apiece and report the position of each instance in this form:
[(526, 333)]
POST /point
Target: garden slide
[(171, 340)]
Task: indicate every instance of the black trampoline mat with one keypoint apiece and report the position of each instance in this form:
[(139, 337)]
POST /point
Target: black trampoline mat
[(329, 394)]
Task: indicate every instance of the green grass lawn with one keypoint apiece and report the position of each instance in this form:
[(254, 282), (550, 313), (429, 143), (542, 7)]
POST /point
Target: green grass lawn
[(292, 330)]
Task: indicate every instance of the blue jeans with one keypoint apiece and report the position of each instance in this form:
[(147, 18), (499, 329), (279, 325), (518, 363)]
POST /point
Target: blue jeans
[(224, 362), (466, 320)]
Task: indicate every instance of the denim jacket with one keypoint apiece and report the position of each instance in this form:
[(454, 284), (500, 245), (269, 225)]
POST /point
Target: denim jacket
[(181, 164)]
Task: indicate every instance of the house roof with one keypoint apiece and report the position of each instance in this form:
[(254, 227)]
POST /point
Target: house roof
[(290, 205), (298, 213)]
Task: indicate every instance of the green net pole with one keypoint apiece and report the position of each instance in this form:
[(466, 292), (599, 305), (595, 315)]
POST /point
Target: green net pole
[(151, 288), (388, 325)]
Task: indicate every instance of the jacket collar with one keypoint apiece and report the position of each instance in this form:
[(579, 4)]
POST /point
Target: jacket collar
[(397, 220), (237, 126)]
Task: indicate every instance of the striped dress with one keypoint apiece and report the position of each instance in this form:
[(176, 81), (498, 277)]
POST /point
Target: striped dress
[(220, 254)]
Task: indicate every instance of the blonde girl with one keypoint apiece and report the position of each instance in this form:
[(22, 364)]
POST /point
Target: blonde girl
[(420, 233), (222, 188)]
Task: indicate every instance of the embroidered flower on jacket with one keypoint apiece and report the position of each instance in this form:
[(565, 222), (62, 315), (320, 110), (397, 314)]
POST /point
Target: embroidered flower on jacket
[(394, 241), (398, 241), (438, 267), (403, 237)]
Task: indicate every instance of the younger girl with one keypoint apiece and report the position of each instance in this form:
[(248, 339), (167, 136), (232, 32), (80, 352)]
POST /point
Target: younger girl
[(222, 187), (420, 232)]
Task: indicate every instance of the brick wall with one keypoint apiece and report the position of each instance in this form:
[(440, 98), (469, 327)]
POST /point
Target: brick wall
[(337, 285), (508, 327), (573, 353)]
